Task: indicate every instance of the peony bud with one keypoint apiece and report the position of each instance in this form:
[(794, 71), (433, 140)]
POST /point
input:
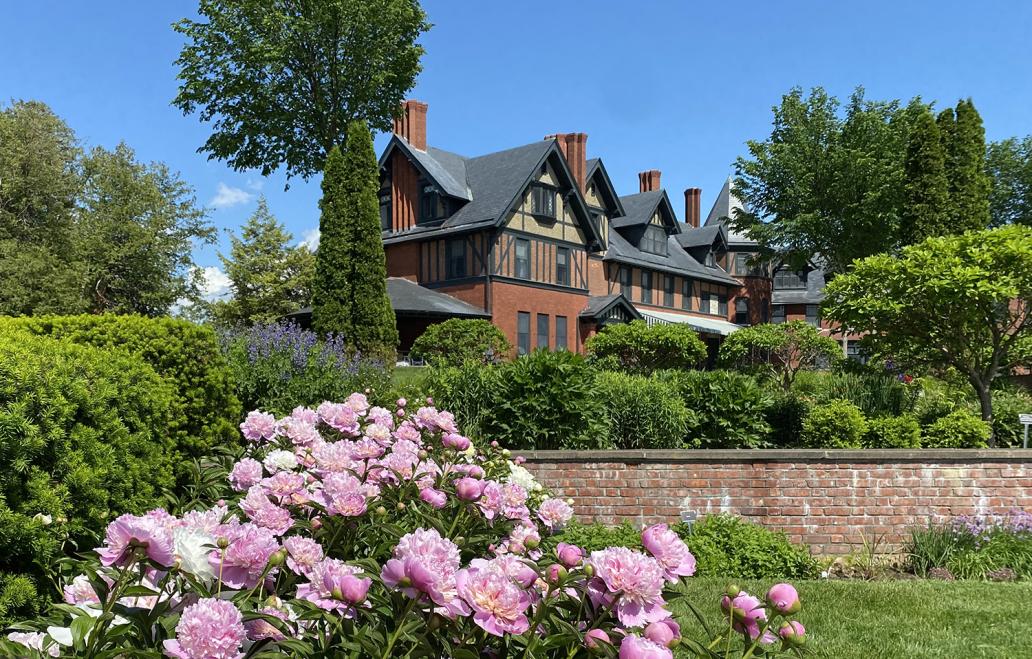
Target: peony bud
[(793, 633), (277, 558), (222, 543), (556, 573), (316, 523), (402, 402), (436, 498), (596, 639), (532, 542), (589, 570), (569, 555), (353, 589), (665, 632), (401, 505), (784, 598), (732, 591)]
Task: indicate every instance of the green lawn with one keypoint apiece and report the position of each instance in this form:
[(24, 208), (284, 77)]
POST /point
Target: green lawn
[(847, 619), (408, 375)]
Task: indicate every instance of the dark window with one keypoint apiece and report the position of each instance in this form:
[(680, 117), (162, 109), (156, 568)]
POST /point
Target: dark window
[(431, 205), (542, 201), (722, 305), (522, 258), (764, 311), (385, 210), (811, 315), (778, 313), (744, 265), (522, 332), (742, 311), (455, 258), (788, 279), (562, 266), (668, 291), (654, 241), (646, 287), (686, 294), (542, 330), (711, 259), (560, 333), (625, 281), (855, 351)]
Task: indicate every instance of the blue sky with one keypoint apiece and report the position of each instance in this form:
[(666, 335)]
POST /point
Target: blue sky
[(672, 85)]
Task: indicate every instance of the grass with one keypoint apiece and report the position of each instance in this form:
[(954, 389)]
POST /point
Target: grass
[(404, 376), (873, 619)]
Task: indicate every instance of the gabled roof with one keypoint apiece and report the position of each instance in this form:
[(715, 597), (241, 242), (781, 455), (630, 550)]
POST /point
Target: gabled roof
[(704, 236), (595, 170), (677, 261), (640, 207), (446, 169), (408, 297), (723, 209), (600, 304)]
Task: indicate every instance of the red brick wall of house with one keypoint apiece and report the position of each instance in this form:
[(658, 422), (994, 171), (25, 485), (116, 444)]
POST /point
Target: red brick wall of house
[(507, 299), (474, 292), (829, 500), (403, 260), (404, 193), (758, 290)]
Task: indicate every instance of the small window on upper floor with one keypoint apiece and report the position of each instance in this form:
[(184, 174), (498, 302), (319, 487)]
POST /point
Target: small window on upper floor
[(711, 259), (785, 279), (431, 205), (455, 258), (385, 210), (654, 240), (522, 258), (542, 201)]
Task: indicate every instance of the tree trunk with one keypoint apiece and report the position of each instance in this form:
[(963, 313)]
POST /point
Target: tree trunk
[(985, 401)]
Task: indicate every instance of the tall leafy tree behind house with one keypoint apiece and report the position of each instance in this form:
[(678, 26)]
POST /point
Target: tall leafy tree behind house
[(1009, 167), (269, 277), (350, 289), (137, 227), (926, 211), (281, 80)]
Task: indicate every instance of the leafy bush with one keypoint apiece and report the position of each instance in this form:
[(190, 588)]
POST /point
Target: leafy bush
[(596, 536), (874, 394), (728, 408), (958, 429), (638, 348), (836, 424), (1007, 405), (459, 340), (893, 432), (779, 350), (205, 411), (83, 437), (279, 366), (785, 416), (728, 546), (643, 412), (547, 400), (468, 391)]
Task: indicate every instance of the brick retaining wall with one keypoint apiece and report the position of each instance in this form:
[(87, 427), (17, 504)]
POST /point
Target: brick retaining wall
[(824, 498)]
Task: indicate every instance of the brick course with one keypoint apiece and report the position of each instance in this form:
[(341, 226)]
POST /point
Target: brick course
[(828, 500)]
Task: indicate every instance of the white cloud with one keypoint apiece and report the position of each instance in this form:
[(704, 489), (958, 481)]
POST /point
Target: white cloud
[(255, 184), (227, 196), (216, 283), (310, 239)]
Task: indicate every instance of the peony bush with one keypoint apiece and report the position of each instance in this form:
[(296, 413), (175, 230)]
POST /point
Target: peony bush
[(361, 531)]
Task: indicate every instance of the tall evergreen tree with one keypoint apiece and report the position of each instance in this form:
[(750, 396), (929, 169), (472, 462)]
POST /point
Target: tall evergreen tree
[(269, 277), (926, 209), (350, 291), (965, 168)]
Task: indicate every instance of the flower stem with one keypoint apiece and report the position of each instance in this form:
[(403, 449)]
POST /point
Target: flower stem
[(397, 630), (536, 621)]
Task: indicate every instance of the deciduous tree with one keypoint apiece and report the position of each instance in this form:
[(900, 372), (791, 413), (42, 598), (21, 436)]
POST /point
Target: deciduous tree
[(1009, 165), (779, 350)]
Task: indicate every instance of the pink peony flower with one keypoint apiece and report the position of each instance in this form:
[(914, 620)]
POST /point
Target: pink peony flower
[(335, 457), (490, 502), (473, 471), (302, 554), (35, 641), (436, 498), (793, 633), (258, 629), (456, 442), (569, 555), (596, 639), (358, 402), (784, 598), (305, 415), (246, 473), (340, 417), (634, 580), (469, 489), (209, 629), (300, 432), (259, 426), (381, 417), (522, 538), (669, 550), (499, 604), (80, 591), (129, 532), (746, 613), (343, 494), (636, 647), (366, 449), (284, 485), (334, 586), (555, 513), (246, 555), (263, 512), (424, 563), (665, 632), (514, 501)]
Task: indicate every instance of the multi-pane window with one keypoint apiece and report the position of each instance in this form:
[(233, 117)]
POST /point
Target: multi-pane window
[(742, 311), (542, 330), (455, 258), (646, 287), (811, 315), (686, 294), (778, 313), (542, 201), (854, 351), (789, 279), (522, 258), (625, 281), (654, 240), (560, 333), (562, 266), (722, 305), (522, 332), (711, 259), (431, 205), (668, 290), (744, 265), (385, 210)]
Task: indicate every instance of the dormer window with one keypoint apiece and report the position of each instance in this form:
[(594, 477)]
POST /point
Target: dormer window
[(785, 279), (654, 241), (542, 201), (385, 210), (711, 259)]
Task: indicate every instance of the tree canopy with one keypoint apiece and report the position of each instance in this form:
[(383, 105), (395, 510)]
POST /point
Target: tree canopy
[(960, 302), (281, 80), (779, 350), (1009, 164), (638, 348)]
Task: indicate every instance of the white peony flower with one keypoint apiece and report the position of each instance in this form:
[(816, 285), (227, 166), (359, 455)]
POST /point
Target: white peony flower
[(280, 460), (520, 476), (192, 548)]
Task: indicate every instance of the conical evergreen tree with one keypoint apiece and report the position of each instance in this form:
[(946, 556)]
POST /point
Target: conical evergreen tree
[(965, 169), (927, 202), (350, 292)]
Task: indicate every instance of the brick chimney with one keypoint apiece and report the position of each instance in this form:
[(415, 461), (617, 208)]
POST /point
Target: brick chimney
[(648, 181), (692, 206), (575, 149), (411, 124)]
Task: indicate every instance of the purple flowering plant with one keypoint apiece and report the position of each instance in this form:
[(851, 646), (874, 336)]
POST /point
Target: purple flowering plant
[(359, 531)]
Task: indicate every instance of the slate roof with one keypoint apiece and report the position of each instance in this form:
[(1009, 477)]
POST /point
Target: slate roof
[(408, 297), (723, 208), (677, 260), (704, 236), (594, 166), (599, 304), (638, 208)]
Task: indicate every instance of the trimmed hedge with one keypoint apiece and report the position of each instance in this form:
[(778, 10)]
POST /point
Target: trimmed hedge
[(893, 432), (205, 411), (636, 347), (82, 439), (459, 340), (836, 424)]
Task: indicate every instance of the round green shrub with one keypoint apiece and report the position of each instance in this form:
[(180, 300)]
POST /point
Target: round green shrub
[(836, 424), (730, 547), (638, 348), (83, 438), (459, 340), (893, 432), (958, 429), (643, 412), (785, 416), (1007, 405), (728, 409)]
